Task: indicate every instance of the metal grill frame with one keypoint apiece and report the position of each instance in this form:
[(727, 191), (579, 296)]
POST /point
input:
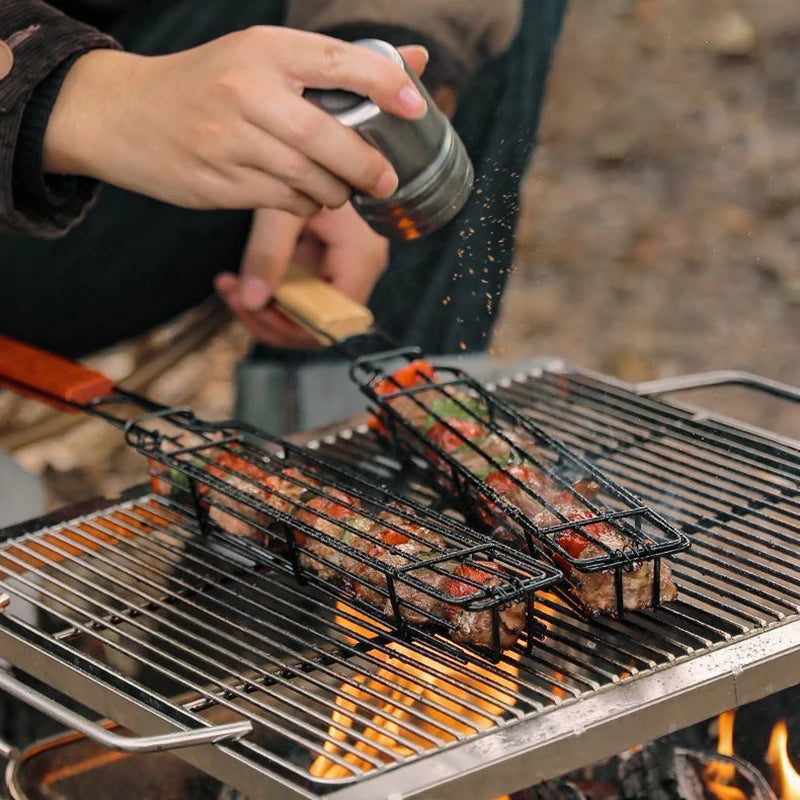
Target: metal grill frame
[(689, 667)]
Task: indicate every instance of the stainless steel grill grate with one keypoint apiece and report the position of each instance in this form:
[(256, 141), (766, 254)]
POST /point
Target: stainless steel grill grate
[(140, 608), (736, 494)]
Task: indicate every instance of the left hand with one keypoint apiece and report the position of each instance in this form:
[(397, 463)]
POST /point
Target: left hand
[(336, 245)]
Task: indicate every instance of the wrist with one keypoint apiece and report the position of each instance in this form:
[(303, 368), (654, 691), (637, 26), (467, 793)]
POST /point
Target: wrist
[(84, 113)]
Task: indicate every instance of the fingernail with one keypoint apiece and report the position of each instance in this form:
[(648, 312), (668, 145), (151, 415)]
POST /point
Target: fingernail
[(387, 184), (412, 101), (254, 293)]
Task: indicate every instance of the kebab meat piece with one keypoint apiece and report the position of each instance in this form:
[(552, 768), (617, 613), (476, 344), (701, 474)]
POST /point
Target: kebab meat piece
[(390, 539), (456, 424), (637, 582)]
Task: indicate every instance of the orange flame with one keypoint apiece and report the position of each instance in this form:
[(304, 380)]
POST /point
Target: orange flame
[(785, 777), (424, 704), (720, 774)]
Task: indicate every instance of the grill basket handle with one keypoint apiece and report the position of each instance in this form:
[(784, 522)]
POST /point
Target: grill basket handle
[(113, 741), (45, 376), (705, 380), (320, 308)]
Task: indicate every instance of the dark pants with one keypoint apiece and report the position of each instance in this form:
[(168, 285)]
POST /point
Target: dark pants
[(135, 262)]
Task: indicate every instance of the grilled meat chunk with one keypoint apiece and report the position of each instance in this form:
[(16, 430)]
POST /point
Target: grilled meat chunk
[(454, 580), (239, 474), (476, 626), (414, 408), (243, 476), (341, 522), (596, 590)]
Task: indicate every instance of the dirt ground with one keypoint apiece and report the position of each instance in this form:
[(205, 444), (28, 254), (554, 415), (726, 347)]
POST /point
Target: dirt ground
[(661, 224), (660, 229), (662, 210)]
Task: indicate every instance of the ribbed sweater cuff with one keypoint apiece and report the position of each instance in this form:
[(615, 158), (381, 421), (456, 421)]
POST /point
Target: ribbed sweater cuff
[(32, 187)]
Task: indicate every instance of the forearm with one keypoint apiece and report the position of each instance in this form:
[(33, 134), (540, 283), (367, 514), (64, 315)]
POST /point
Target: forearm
[(43, 42)]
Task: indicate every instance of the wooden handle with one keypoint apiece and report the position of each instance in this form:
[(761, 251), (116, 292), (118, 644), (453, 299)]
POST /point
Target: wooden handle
[(320, 308), (37, 373)]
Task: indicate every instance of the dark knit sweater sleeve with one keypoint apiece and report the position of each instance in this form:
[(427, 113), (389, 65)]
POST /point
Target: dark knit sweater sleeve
[(45, 43)]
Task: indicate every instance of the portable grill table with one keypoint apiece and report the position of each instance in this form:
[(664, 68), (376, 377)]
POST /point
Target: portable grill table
[(200, 623)]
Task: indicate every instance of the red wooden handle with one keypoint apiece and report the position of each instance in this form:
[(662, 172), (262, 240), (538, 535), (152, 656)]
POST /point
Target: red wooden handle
[(43, 373)]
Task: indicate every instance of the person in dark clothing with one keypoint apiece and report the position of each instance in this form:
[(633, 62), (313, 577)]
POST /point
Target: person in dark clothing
[(135, 261)]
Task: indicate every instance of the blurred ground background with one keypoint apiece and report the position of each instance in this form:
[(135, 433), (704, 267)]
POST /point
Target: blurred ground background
[(660, 229)]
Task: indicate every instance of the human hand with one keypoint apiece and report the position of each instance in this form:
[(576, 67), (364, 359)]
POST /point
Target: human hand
[(337, 246), (224, 125)]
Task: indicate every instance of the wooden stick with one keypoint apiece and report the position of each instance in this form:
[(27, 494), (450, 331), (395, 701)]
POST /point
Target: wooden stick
[(319, 307)]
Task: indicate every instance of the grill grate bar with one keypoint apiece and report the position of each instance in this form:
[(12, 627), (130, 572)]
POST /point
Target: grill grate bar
[(184, 665), (290, 660), (257, 585), (459, 397), (622, 657), (638, 468), (251, 635), (323, 607), (31, 594), (608, 405), (714, 488)]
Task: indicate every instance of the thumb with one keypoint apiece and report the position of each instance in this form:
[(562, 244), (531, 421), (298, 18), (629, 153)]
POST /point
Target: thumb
[(269, 249)]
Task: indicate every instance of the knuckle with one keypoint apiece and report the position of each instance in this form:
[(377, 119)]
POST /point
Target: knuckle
[(309, 208), (331, 58), (339, 196), (296, 167), (213, 143), (207, 190), (306, 127), (255, 37), (229, 87), (297, 204)]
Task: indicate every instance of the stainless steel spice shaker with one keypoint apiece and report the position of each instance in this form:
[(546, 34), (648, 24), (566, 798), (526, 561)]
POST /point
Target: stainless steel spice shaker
[(436, 175)]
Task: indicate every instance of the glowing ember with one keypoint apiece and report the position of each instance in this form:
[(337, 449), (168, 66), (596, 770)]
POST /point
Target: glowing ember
[(785, 777), (720, 774), (411, 702)]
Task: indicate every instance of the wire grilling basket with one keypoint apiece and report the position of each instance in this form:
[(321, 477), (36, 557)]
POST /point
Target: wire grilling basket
[(389, 555), (513, 478)]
